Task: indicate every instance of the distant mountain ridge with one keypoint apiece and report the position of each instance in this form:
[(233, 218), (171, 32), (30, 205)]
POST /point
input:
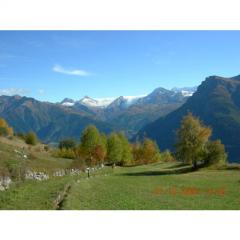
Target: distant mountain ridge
[(54, 121), (127, 101), (51, 122)]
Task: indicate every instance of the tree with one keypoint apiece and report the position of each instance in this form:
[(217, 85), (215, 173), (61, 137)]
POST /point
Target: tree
[(127, 155), (215, 153), (99, 154), (31, 138), (167, 156), (67, 143), (192, 138), (137, 153), (89, 141), (149, 151), (5, 130), (101, 150), (115, 149)]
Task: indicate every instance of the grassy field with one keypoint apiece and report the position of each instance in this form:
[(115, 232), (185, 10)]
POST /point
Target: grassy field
[(33, 195), (146, 187), (143, 187)]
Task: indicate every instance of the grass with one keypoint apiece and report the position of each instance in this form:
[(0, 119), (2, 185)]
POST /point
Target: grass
[(127, 189), (155, 186), (37, 158), (33, 195)]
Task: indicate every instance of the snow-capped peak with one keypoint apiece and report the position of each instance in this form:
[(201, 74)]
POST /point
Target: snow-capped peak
[(68, 102), (125, 101), (96, 102), (185, 91)]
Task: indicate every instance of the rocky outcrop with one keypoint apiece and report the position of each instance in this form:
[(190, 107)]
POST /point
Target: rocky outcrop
[(39, 176)]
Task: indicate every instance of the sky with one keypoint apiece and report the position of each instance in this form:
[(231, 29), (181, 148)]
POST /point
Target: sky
[(52, 65)]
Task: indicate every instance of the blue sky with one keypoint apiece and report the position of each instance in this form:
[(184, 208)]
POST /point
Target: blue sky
[(52, 65)]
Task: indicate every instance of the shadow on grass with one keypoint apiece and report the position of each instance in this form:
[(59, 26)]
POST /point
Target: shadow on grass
[(164, 172), (177, 165)]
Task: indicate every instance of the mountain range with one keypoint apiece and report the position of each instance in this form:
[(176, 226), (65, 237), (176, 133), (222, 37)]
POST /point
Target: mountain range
[(55, 121), (131, 113), (156, 115), (217, 103)]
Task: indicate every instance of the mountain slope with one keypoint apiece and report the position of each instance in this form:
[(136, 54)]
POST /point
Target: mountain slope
[(217, 104), (132, 116), (50, 121)]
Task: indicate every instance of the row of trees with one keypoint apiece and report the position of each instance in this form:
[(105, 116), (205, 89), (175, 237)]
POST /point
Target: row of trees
[(96, 148), (192, 147)]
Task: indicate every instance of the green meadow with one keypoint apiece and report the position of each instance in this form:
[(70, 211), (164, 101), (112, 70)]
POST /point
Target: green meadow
[(149, 187)]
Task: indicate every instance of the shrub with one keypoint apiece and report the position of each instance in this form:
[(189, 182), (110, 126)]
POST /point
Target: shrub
[(65, 153), (31, 138), (46, 148), (215, 153), (167, 156), (67, 143)]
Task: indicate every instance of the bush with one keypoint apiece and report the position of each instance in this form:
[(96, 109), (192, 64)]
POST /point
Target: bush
[(31, 138), (46, 148), (67, 143), (65, 153), (167, 156), (215, 153)]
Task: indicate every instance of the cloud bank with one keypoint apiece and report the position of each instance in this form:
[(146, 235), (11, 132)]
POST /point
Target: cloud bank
[(13, 91)]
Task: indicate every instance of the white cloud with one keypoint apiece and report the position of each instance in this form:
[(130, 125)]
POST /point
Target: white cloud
[(76, 72), (13, 91)]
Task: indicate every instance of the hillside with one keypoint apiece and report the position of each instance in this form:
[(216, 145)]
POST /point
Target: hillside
[(51, 122), (217, 104)]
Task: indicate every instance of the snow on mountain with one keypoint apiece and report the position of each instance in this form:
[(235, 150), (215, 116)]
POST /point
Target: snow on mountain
[(129, 100), (158, 95), (68, 102), (185, 91), (96, 102), (125, 101)]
